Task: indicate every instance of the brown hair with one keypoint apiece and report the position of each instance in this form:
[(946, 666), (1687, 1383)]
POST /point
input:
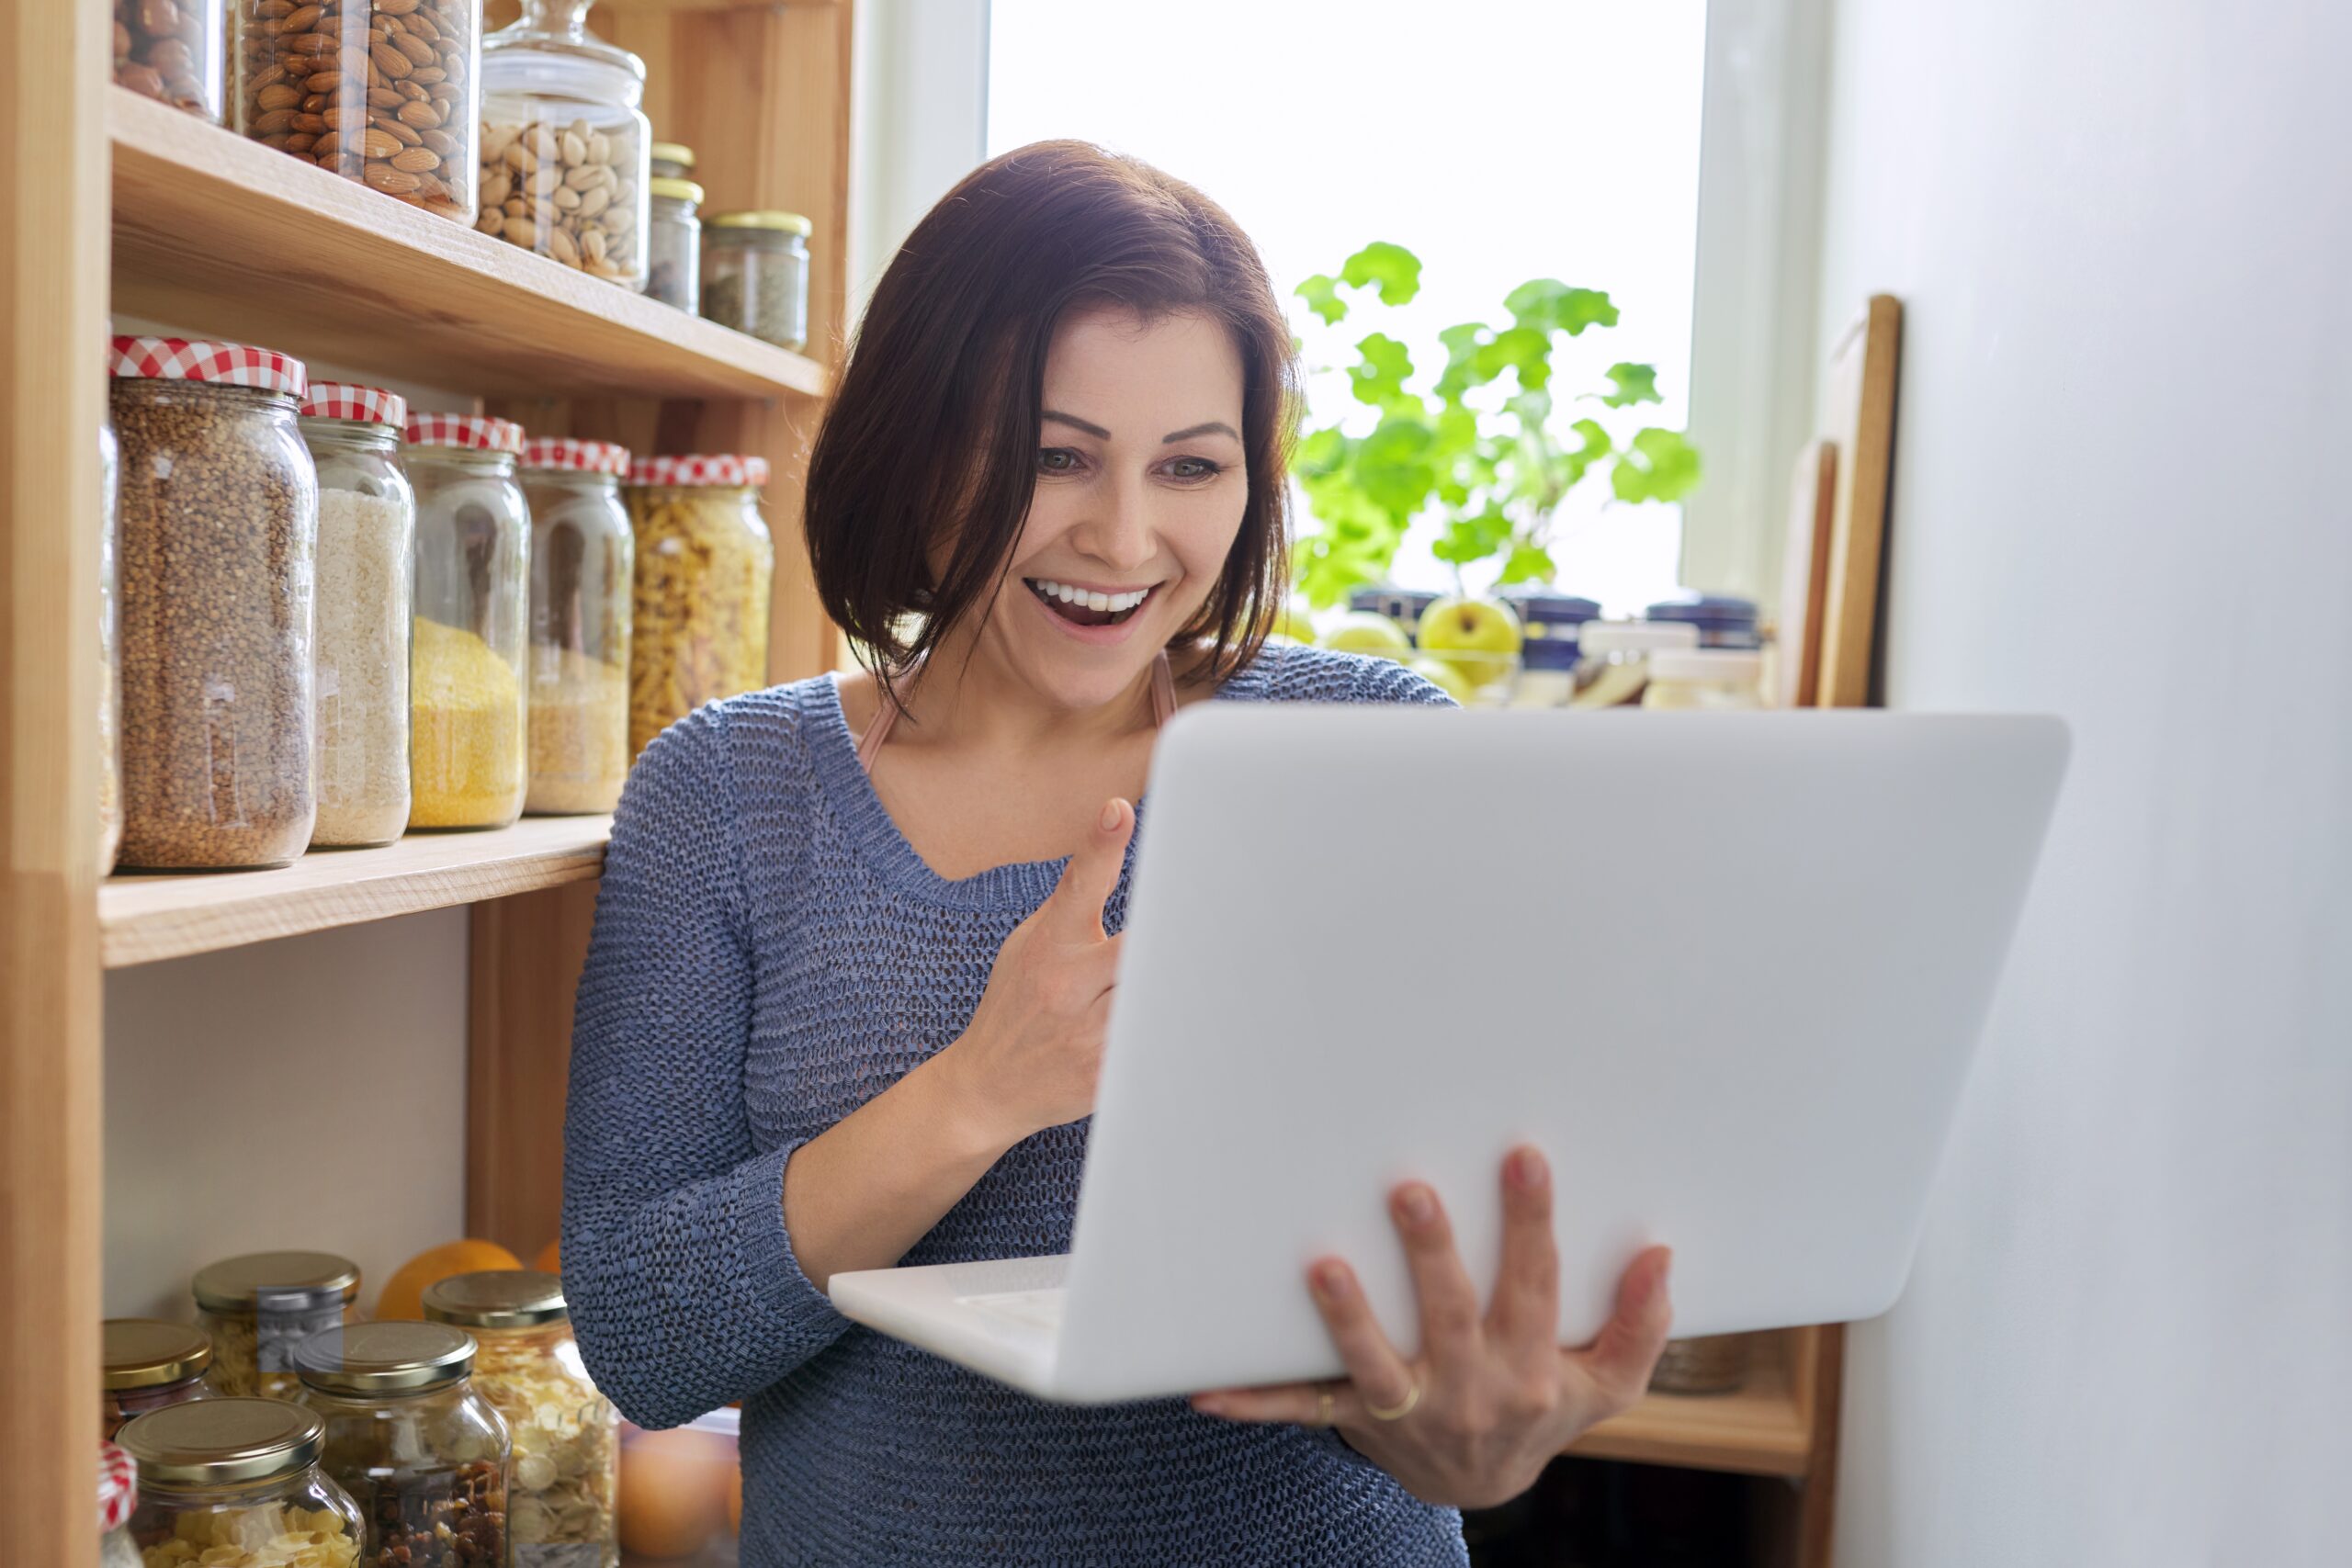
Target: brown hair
[(935, 422)]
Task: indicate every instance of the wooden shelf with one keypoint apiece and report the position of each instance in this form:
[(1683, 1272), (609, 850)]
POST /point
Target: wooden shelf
[(223, 235), (1760, 1430), (143, 919)]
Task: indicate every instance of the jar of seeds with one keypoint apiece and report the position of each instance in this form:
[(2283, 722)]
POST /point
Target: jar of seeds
[(582, 564), (564, 143), (367, 557), (260, 1306), (236, 1483), (109, 663), (755, 274), (171, 50), (219, 518), (673, 242), (703, 564)]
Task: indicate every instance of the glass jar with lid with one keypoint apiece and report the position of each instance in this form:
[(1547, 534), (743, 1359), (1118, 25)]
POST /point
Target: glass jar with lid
[(1612, 658), (704, 567), (567, 1449), (582, 576), (1706, 678), (673, 245), (755, 274), (367, 558), (109, 665), (564, 143), (669, 161), (258, 1308), (1549, 620), (421, 1451), (146, 1364), (466, 670), (219, 518), (172, 50), (379, 91), (236, 1483), (118, 1499)]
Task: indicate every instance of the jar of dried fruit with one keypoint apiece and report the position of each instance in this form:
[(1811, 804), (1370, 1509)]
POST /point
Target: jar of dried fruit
[(236, 1483), (564, 144), (567, 1453), (379, 91), (474, 542), (219, 520), (146, 1364), (704, 563), (171, 50), (109, 662), (755, 274), (259, 1307), (367, 559), (581, 579)]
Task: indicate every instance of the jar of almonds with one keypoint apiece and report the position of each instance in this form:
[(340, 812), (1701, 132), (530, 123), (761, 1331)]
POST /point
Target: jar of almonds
[(170, 50), (564, 144), (381, 91)]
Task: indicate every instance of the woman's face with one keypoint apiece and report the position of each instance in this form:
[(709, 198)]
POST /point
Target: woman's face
[(1141, 485)]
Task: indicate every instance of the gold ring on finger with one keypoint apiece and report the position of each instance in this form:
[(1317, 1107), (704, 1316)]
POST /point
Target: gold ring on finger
[(1399, 1410), (1324, 1403)]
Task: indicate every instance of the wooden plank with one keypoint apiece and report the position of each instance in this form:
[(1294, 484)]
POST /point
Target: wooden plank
[(1758, 1431), (1825, 1379), (1861, 401), (225, 236), (143, 919), (1805, 576), (530, 950)]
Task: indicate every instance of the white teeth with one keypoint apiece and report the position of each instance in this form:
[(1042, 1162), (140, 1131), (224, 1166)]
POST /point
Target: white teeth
[(1099, 602)]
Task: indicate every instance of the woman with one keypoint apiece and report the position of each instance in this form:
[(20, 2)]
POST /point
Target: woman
[(845, 1004)]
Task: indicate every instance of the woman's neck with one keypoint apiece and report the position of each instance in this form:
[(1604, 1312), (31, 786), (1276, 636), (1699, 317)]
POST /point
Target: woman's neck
[(967, 697)]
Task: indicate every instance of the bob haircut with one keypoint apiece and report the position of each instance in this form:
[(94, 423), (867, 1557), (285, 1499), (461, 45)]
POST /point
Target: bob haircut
[(933, 434)]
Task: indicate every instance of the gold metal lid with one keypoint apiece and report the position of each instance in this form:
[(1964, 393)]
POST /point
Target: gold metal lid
[(147, 1352), (221, 1442), (236, 1284), (671, 153), (385, 1357), (788, 223), (676, 190), (498, 1298)]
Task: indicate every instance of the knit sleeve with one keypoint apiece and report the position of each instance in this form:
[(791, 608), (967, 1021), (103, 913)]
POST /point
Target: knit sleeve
[(1385, 680), (682, 1281)]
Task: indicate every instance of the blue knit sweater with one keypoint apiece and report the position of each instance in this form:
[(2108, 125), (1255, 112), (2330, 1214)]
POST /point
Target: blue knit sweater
[(770, 954)]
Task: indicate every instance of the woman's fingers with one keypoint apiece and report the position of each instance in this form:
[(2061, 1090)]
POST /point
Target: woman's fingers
[(1379, 1373), (1300, 1403), (1525, 1316), (1451, 1335), (1621, 1359)]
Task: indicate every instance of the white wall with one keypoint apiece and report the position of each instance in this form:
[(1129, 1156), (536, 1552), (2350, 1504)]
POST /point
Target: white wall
[(2122, 232)]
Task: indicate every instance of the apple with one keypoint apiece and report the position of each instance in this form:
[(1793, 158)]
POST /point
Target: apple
[(1290, 626), (1444, 677), (1475, 636), (1368, 631)]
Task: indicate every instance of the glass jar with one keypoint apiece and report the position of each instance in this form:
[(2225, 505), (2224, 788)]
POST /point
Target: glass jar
[(704, 563), (473, 543), (1549, 620), (172, 50), (673, 245), (582, 572), (564, 144), (109, 664), (1722, 620), (567, 1449), (118, 1499), (218, 522), (146, 1364), (367, 557), (755, 274), (1715, 679), (378, 90), (669, 161), (424, 1454), (236, 1483), (258, 1309), (1612, 658)]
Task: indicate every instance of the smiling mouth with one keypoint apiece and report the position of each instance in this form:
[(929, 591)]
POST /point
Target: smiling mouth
[(1080, 608)]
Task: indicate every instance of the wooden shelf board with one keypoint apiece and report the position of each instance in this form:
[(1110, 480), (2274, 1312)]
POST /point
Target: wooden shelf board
[(1758, 1431), (143, 918), (222, 235)]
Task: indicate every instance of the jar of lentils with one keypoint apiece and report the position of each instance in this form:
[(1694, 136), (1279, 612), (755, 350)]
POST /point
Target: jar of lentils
[(172, 50), (581, 567), (236, 1483), (258, 1308), (109, 663), (703, 566), (147, 1364), (219, 523)]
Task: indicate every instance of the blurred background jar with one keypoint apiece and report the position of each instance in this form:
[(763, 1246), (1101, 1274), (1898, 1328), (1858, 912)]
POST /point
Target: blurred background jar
[(673, 245), (146, 1364), (669, 161), (1718, 679), (118, 1499), (704, 568), (109, 663), (755, 274), (172, 51), (1721, 620), (1613, 659), (472, 615), (218, 1475), (581, 581), (1402, 605), (258, 1308), (564, 145), (1549, 620)]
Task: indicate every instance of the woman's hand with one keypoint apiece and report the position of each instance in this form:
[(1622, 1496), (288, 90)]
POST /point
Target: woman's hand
[(1472, 1421)]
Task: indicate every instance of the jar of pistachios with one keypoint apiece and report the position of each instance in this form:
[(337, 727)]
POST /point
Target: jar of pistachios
[(259, 1308)]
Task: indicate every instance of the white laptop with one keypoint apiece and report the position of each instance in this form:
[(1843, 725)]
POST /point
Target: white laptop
[(1727, 970)]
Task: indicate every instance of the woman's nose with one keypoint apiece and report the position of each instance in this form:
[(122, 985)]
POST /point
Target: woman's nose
[(1119, 534)]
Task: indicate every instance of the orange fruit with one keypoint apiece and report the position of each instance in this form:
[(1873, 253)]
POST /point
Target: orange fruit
[(735, 1500), (673, 1492), (403, 1294), (551, 1258)]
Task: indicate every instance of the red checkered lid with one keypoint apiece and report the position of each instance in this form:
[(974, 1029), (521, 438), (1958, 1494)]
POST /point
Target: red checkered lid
[(582, 456), (117, 1487), (729, 469), (464, 430), (342, 400), (190, 359)]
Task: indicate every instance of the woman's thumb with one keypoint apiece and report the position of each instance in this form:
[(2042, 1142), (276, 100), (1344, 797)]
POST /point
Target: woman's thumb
[(1092, 873)]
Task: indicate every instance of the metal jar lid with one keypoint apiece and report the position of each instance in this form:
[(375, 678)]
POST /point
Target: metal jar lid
[(221, 1442), (396, 1357), (498, 1298), (774, 222), (237, 1284), (147, 1352)]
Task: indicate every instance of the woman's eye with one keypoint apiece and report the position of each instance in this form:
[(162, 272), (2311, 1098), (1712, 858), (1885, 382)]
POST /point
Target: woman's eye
[(1057, 460), (1195, 468)]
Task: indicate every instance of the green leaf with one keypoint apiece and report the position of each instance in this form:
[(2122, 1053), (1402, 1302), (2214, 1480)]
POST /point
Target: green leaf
[(1321, 293), (1393, 271), (1635, 384), (1380, 378), (1527, 350), (1658, 465), (1532, 408), (1548, 305), (1460, 344), (1472, 538), (1320, 451), (1527, 563)]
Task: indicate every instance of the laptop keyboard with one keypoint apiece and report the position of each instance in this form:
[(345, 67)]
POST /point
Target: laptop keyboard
[(1034, 1309)]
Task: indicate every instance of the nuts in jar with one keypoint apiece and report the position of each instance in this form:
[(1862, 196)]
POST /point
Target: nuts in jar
[(258, 1308), (170, 49), (568, 191)]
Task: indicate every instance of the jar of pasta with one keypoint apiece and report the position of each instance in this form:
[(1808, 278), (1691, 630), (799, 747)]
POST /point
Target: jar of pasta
[(581, 566), (567, 1453), (236, 1483), (109, 664), (703, 564), (466, 670), (260, 1307), (146, 1364), (420, 1451)]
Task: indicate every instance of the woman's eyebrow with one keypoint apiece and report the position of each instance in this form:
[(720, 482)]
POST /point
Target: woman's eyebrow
[(1190, 431), (1076, 424)]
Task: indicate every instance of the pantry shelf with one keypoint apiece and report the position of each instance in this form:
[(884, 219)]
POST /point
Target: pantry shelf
[(145, 919), (223, 235), (1760, 1430)]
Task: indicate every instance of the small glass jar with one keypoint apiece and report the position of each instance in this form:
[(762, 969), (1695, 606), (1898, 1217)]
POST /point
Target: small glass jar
[(564, 143), (378, 90), (258, 1309), (367, 559), (755, 274), (669, 161), (1612, 658), (673, 245), (172, 50), (582, 574), (109, 663), (236, 1483), (421, 1451), (567, 1449), (1722, 620), (146, 1364), (465, 674), (1713, 679), (704, 567), (218, 522), (117, 1500), (1402, 605), (1549, 620)]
